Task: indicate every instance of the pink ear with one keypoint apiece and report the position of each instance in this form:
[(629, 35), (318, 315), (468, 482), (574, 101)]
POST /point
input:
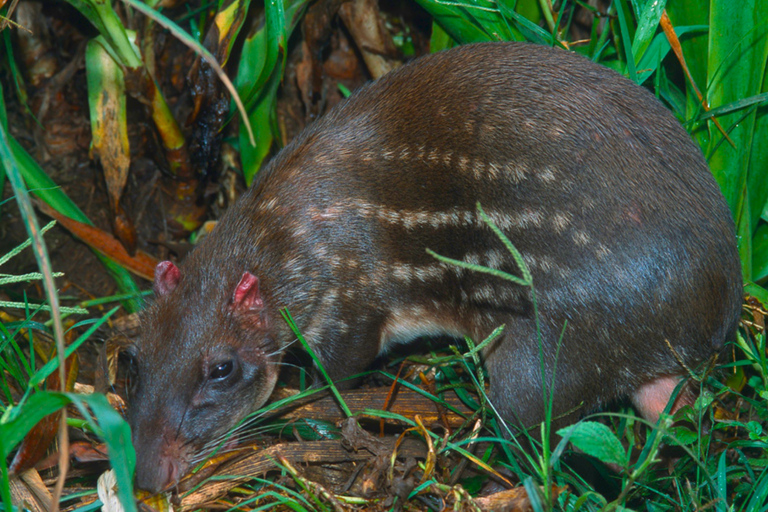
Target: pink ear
[(247, 295), (167, 276)]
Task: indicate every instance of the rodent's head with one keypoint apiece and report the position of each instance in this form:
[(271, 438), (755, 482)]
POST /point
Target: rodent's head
[(204, 361)]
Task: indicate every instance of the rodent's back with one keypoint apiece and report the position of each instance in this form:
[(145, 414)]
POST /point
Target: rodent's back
[(593, 180)]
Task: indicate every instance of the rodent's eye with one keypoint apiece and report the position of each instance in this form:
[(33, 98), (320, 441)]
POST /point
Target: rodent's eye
[(221, 371)]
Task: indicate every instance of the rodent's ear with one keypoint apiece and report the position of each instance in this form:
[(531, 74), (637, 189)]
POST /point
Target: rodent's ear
[(167, 276), (247, 296)]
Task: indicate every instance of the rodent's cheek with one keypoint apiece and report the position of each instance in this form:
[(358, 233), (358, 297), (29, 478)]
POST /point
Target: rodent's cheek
[(259, 381)]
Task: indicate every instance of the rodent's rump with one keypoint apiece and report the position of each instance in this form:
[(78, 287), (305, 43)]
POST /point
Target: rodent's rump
[(630, 244)]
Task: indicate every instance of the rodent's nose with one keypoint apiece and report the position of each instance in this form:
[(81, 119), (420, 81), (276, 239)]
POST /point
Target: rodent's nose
[(157, 477)]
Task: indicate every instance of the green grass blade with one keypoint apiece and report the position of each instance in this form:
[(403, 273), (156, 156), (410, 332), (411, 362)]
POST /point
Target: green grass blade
[(22, 418), (626, 39), (467, 22), (647, 26), (760, 253), (528, 29), (116, 433), (106, 21), (47, 369), (261, 117), (318, 364), (43, 187), (756, 291), (758, 100), (738, 51)]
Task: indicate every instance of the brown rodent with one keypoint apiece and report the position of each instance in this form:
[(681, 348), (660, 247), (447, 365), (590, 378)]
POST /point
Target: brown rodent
[(630, 244)]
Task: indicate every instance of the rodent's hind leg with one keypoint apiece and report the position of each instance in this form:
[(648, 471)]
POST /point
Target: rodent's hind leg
[(651, 398), (514, 371)]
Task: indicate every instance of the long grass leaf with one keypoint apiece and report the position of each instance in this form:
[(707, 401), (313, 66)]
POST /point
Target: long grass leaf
[(194, 45), (51, 365)]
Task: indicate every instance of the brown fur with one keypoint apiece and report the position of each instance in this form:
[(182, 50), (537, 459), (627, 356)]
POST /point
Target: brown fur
[(627, 236)]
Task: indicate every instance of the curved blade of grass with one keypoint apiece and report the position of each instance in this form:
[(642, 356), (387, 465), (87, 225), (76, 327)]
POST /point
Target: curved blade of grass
[(289, 320), (20, 419), (116, 433), (15, 424), (759, 493), (106, 21), (626, 39), (758, 100), (447, 446), (648, 19), (467, 22), (261, 118), (525, 280), (756, 291), (43, 187), (44, 264), (51, 365), (738, 52), (760, 253), (529, 30), (423, 393), (195, 46), (657, 51)]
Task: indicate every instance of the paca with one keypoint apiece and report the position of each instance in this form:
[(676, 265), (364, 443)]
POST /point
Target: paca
[(630, 244)]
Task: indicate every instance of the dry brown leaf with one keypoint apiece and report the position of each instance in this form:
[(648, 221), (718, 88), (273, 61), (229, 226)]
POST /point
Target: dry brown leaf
[(142, 264), (363, 20), (29, 491)]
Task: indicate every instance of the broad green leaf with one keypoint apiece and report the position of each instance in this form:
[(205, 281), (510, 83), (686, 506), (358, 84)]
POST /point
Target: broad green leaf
[(468, 21), (261, 117), (738, 50), (627, 35), (259, 59), (261, 50), (106, 21), (109, 425), (253, 62), (597, 440), (439, 40), (760, 252), (529, 30), (20, 420), (116, 433), (681, 436), (657, 51), (647, 25), (758, 162)]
